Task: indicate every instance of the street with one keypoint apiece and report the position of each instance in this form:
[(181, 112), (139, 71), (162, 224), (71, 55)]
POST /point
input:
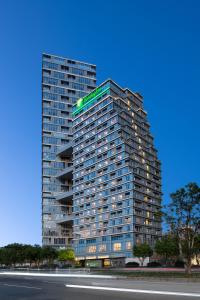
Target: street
[(58, 288)]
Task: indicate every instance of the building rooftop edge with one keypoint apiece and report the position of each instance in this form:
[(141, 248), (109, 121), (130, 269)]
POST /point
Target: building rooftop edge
[(136, 94), (80, 61)]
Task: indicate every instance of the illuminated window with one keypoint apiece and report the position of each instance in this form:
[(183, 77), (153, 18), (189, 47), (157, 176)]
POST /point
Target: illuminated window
[(91, 249), (128, 245), (117, 246)]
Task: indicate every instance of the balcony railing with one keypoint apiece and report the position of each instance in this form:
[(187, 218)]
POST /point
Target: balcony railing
[(66, 196), (66, 173), (66, 150), (66, 217)]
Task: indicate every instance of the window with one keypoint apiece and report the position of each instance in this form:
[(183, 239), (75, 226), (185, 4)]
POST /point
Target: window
[(102, 248), (128, 245), (64, 68), (91, 249), (117, 246)]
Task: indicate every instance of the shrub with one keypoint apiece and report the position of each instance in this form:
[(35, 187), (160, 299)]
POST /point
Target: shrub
[(153, 264), (132, 264)]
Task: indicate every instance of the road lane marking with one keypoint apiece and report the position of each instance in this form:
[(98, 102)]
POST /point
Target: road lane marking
[(58, 275), (23, 286), (132, 290)]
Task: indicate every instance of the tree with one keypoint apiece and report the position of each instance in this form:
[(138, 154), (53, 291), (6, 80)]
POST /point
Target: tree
[(5, 258), (33, 254), (49, 254), (167, 247), (183, 217), (197, 249), (66, 255), (142, 251), (14, 254)]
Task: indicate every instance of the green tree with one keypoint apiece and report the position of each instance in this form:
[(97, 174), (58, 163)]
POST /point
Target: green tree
[(49, 253), (5, 258), (33, 254), (66, 255), (167, 247), (183, 217), (14, 253), (142, 251)]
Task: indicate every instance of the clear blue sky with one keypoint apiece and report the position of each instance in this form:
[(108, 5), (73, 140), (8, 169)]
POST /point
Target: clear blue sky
[(149, 46)]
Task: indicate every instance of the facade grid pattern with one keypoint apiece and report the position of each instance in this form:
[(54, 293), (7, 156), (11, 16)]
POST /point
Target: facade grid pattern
[(64, 81)]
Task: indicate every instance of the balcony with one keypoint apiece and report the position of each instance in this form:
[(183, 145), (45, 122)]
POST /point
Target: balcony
[(63, 218), (65, 151), (66, 196), (66, 173)]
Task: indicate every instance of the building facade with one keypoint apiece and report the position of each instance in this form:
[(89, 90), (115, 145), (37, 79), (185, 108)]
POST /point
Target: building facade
[(116, 176), (63, 82)]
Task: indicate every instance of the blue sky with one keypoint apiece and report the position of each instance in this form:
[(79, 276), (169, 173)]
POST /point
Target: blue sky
[(149, 46)]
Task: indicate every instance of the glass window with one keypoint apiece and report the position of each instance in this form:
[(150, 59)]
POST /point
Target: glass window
[(128, 245), (102, 248), (91, 249), (117, 246)]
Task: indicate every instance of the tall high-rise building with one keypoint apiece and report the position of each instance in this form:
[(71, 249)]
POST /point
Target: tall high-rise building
[(63, 82), (116, 176)]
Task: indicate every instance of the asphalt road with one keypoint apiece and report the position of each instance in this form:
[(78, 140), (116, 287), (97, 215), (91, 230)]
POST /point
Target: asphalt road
[(52, 288)]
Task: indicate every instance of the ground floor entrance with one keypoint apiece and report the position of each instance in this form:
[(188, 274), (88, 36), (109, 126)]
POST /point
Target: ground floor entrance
[(116, 262)]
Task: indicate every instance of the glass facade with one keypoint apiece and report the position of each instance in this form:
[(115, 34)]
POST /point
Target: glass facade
[(116, 175), (63, 82)]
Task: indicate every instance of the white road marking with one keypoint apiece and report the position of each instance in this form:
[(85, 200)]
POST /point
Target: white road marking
[(22, 286), (57, 275), (132, 290)]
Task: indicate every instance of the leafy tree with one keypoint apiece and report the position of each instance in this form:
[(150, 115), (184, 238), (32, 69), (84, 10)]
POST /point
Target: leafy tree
[(183, 217), (14, 254), (33, 254), (5, 258), (66, 255), (49, 254), (167, 247), (142, 251)]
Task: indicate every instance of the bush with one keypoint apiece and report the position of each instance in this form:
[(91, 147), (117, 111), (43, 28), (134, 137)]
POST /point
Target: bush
[(132, 264), (179, 264), (153, 264)]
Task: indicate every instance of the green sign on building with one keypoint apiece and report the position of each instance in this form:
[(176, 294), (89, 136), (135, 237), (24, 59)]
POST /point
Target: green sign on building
[(82, 102)]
